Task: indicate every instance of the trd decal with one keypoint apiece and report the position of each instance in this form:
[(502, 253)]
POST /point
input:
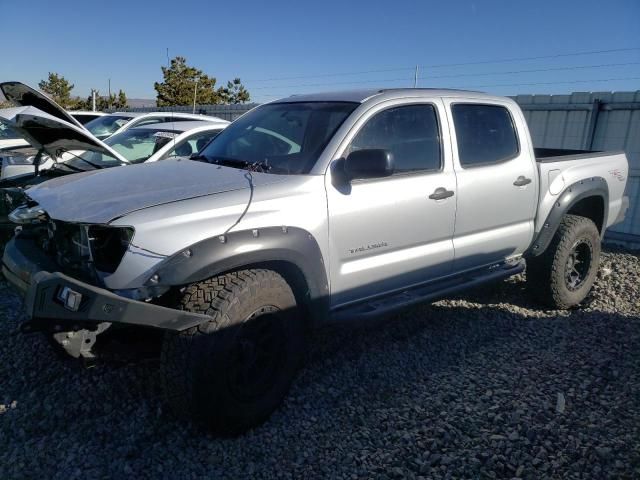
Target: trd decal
[(618, 174)]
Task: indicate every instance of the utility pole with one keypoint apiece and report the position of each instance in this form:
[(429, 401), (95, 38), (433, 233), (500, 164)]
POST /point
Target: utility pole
[(195, 93), (415, 78), (109, 93), (93, 99)]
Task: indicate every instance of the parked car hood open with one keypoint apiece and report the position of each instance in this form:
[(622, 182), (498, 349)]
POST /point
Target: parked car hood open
[(25, 96), (100, 196), (52, 135)]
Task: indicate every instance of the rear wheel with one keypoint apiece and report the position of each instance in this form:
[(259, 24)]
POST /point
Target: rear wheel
[(563, 275), (230, 373)]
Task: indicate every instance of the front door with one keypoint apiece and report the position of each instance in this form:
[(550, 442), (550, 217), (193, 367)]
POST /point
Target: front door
[(386, 234)]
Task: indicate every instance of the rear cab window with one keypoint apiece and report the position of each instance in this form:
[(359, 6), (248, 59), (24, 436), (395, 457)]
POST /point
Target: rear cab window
[(485, 134)]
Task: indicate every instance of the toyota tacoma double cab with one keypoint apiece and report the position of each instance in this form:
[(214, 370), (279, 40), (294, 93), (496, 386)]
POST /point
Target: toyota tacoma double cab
[(305, 211)]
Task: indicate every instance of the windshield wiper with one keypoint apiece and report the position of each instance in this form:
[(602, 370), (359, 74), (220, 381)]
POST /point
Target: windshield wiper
[(236, 162), (262, 167)]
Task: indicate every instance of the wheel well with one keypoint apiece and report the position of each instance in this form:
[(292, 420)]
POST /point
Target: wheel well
[(592, 208), (293, 276)]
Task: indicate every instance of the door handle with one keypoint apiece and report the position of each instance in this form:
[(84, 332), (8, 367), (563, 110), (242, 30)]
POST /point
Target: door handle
[(440, 194), (521, 181)]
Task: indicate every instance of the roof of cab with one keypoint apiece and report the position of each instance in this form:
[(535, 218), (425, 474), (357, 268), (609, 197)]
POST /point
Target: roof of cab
[(360, 96)]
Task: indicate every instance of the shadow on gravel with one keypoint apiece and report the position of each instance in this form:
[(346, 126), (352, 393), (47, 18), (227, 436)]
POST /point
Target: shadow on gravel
[(481, 385)]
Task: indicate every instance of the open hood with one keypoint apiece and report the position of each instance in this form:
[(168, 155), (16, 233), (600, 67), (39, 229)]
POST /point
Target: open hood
[(51, 134), (25, 96), (99, 196)]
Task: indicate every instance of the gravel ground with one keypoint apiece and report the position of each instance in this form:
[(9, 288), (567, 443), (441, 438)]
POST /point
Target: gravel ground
[(486, 385)]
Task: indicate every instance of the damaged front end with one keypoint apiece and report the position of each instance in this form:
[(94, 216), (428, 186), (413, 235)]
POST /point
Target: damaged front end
[(86, 252), (60, 269)]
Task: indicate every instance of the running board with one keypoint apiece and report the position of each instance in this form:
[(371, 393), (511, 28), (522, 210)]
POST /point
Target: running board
[(423, 293)]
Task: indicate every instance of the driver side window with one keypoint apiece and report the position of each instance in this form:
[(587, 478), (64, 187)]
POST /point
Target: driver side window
[(410, 133)]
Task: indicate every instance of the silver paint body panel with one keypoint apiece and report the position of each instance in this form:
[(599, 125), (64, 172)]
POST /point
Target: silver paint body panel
[(375, 236)]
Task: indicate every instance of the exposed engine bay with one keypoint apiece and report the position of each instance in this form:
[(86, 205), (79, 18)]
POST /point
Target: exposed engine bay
[(87, 252)]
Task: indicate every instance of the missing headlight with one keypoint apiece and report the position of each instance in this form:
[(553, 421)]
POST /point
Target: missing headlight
[(108, 246)]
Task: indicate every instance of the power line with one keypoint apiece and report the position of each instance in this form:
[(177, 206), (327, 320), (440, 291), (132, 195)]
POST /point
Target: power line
[(430, 77), (444, 65), (551, 83)]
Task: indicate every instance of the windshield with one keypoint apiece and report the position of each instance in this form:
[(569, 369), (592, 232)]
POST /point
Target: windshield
[(103, 127), (283, 138), (138, 144)]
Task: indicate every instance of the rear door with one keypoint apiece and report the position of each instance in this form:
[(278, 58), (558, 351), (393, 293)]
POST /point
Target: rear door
[(387, 233), (497, 183)]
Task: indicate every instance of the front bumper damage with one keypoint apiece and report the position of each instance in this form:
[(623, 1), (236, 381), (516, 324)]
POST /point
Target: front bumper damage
[(93, 309)]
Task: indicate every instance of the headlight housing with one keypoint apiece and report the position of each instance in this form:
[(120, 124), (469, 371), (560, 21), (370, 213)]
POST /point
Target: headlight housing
[(108, 245), (26, 215)]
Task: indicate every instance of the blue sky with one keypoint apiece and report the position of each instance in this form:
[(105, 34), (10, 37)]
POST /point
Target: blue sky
[(322, 43)]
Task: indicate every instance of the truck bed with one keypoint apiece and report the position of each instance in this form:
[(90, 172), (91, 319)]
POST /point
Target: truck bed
[(560, 169), (548, 155)]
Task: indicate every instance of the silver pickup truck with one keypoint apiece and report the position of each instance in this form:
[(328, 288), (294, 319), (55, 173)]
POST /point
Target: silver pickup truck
[(308, 210)]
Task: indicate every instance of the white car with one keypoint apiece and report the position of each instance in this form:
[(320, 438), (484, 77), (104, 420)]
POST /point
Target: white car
[(182, 130), (159, 141), (114, 123), (148, 143), (106, 124)]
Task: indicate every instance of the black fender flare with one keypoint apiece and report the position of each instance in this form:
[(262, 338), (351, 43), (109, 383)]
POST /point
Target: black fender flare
[(226, 252), (590, 187)]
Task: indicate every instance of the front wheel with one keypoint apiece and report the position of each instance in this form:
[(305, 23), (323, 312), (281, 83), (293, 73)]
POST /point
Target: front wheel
[(563, 275), (230, 373)]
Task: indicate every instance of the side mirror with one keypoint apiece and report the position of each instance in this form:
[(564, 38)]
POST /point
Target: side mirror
[(368, 163)]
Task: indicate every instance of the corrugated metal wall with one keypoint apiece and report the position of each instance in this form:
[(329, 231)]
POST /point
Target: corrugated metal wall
[(592, 121)]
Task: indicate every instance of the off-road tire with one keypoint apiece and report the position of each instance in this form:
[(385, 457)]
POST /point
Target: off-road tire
[(547, 274), (198, 370)]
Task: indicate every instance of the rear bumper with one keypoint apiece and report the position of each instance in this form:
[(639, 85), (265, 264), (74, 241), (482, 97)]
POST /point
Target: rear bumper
[(30, 272)]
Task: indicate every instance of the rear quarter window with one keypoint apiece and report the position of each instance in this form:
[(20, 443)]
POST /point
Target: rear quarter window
[(485, 134)]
